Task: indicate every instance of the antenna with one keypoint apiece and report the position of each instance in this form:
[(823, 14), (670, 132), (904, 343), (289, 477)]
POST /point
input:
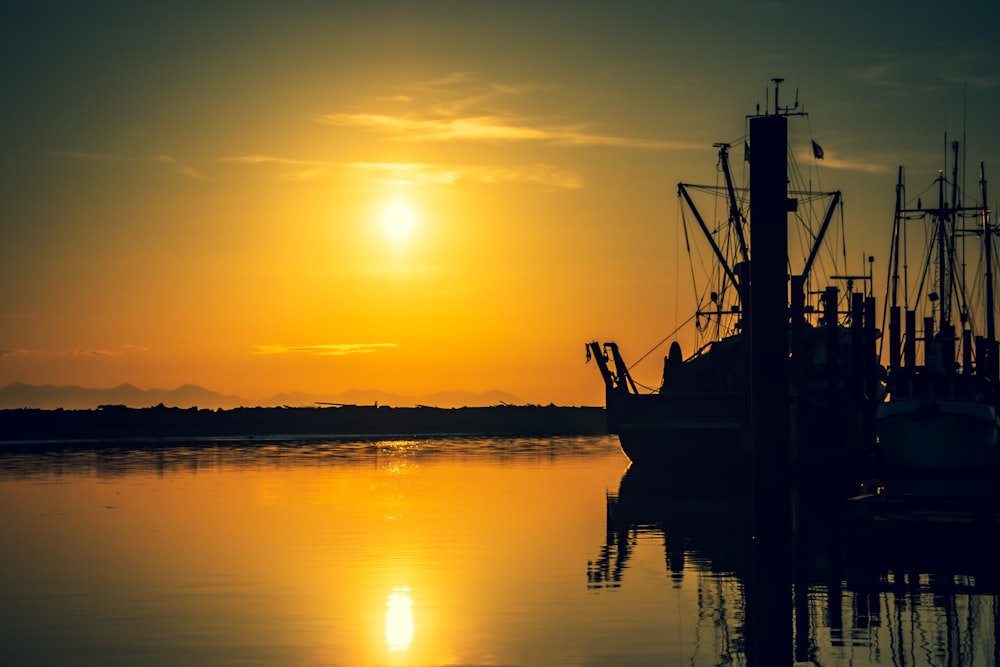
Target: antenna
[(788, 110)]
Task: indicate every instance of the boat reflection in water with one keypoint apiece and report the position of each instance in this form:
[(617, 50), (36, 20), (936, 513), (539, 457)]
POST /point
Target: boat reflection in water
[(873, 580), (704, 532), (469, 551)]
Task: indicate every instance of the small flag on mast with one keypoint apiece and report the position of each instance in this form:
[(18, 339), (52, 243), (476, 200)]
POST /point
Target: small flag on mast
[(817, 151)]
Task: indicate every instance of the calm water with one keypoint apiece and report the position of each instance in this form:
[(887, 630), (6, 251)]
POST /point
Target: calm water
[(432, 552)]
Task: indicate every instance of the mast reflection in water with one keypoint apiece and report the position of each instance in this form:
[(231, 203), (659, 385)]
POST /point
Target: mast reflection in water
[(893, 591), (437, 552)]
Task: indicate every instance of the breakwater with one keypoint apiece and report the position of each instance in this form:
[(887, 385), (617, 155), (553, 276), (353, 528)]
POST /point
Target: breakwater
[(111, 423)]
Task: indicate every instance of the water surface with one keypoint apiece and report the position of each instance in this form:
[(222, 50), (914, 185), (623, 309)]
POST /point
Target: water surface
[(427, 552)]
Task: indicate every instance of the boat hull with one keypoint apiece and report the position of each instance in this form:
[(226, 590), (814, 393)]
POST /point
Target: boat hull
[(937, 434), (680, 430), (682, 445)]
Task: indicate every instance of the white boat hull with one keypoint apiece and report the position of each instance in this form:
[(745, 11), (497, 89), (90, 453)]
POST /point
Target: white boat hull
[(939, 433)]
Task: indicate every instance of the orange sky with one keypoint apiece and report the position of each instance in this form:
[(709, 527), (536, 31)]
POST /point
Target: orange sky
[(196, 195)]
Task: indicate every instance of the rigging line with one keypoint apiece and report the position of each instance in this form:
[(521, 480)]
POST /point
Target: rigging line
[(843, 237), (928, 266), (687, 245), (906, 259), (679, 213), (664, 340)]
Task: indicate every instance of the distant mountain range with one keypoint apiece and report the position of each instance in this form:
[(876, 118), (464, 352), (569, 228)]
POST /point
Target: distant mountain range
[(50, 397)]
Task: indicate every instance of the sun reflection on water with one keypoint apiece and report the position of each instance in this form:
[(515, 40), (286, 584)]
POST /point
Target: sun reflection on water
[(399, 619)]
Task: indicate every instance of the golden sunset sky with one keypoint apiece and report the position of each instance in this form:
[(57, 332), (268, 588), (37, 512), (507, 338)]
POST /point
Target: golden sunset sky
[(196, 192)]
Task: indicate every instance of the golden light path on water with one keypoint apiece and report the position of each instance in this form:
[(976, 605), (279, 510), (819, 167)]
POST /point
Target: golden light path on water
[(530, 552), (399, 619)]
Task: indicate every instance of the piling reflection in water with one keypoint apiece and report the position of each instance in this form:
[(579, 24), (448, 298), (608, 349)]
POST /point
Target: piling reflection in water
[(452, 551), (915, 585), (704, 531)]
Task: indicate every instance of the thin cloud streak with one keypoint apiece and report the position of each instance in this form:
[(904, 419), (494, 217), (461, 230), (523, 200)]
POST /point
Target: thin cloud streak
[(273, 159), (546, 175), (831, 161), (326, 350), (492, 129), (416, 173), (177, 166), (76, 352), (910, 75), (863, 167)]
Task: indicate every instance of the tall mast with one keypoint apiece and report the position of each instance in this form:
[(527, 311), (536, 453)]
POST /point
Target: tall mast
[(991, 333), (953, 212), (896, 224), (944, 288)]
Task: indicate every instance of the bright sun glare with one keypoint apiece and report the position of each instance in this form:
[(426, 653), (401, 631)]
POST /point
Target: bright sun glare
[(399, 619), (399, 220)]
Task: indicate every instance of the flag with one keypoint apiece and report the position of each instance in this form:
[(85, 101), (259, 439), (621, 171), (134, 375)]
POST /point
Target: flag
[(817, 151), (746, 151)]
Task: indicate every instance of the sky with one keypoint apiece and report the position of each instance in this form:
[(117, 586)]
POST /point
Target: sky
[(197, 192)]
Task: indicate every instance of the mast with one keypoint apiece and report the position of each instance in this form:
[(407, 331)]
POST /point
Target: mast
[(944, 288), (896, 228), (953, 212), (991, 333), (895, 333)]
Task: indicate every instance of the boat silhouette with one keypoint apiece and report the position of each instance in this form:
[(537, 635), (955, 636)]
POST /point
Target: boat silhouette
[(701, 412), (941, 409)]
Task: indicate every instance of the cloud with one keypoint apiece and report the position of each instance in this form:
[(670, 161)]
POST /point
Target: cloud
[(454, 92), (546, 175), (832, 161), (75, 352), (420, 173), (494, 129), (456, 107), (272, 159), (915, 75), (326, 350), (542, 174), (850, 165), (299, 170), (176, 165)]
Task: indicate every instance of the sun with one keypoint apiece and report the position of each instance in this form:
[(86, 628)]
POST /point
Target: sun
[(399, 220)]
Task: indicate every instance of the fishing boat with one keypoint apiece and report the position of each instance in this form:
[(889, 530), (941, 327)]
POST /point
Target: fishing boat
[(701, 411), (940, 413)]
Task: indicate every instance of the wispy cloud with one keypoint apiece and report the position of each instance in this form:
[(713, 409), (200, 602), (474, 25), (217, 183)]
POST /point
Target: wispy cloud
[(493, 129), (854, 165), (832, 161), (458, 108), (546, 175), (911, 75), (327, 350), (73, 352), (419, 173), (542, 174), (177, 166), (294, 169)]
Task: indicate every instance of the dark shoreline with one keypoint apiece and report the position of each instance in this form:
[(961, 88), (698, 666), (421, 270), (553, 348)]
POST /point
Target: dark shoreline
[(167, 425)]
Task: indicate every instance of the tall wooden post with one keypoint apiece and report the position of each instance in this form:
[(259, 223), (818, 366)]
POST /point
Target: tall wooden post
[(769, 612)]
